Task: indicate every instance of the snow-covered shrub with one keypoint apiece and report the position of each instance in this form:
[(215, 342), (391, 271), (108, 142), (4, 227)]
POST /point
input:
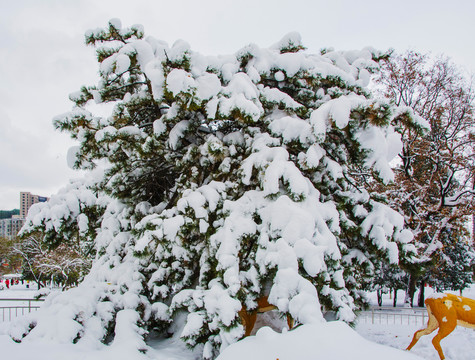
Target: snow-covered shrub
[(222, 179)]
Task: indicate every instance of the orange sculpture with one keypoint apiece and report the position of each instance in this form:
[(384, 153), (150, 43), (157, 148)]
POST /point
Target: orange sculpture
[(446, 311), (248, 318)]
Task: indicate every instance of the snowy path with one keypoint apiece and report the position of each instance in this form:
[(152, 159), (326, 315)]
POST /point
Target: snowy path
[(459, 345)]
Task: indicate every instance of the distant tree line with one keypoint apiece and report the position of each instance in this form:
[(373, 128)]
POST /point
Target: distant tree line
[(6, 214)]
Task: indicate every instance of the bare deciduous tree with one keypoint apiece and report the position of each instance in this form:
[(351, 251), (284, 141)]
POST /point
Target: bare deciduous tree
[(434, 180), (64, 264)]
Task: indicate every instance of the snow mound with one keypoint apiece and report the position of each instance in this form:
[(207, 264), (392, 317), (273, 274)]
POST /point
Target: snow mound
[(332, 340)]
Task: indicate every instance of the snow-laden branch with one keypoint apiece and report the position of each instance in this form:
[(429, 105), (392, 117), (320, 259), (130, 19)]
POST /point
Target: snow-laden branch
[(458, 198)]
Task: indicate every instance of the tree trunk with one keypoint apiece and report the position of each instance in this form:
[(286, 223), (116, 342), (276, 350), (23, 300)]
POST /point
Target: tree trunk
[(421, 298), (395, 297), (379, 293), (411, 289)]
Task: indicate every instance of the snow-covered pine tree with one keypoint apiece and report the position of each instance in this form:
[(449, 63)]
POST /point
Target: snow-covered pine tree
[(388, 278), (217, 180), (453, 269)]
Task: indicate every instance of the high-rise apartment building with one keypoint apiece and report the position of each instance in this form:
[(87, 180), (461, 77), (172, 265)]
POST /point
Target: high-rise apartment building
[(26, 200), (9, 228), (5, 228)]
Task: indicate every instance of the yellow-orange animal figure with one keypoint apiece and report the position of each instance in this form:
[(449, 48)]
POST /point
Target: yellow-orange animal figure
[(446, 311), (248, 318)]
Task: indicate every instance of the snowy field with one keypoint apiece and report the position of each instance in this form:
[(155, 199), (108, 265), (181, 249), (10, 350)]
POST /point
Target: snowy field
[(459, 345), (334, 341)]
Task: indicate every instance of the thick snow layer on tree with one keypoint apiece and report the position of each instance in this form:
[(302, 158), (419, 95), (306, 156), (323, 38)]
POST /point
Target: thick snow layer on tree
[(63, 207), (220, 179)]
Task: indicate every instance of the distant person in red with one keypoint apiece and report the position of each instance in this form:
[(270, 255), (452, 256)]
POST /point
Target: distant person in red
[(7, 282)]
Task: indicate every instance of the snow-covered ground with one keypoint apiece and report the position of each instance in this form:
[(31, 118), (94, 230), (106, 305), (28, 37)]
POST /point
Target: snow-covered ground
[(19, 291), (459, 345), (333, 340)]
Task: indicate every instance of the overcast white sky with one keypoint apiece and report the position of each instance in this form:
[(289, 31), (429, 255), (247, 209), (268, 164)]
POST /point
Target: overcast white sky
[(43, 57)]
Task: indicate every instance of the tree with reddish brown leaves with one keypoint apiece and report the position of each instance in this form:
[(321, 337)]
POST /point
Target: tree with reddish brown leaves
[(434, 185)]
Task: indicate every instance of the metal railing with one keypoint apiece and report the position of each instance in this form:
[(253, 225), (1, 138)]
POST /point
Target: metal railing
[(394, 316), (17, 307), (376, 315)]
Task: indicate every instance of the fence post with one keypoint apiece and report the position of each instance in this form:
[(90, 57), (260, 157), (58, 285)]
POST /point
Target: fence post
[(15, 311)]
